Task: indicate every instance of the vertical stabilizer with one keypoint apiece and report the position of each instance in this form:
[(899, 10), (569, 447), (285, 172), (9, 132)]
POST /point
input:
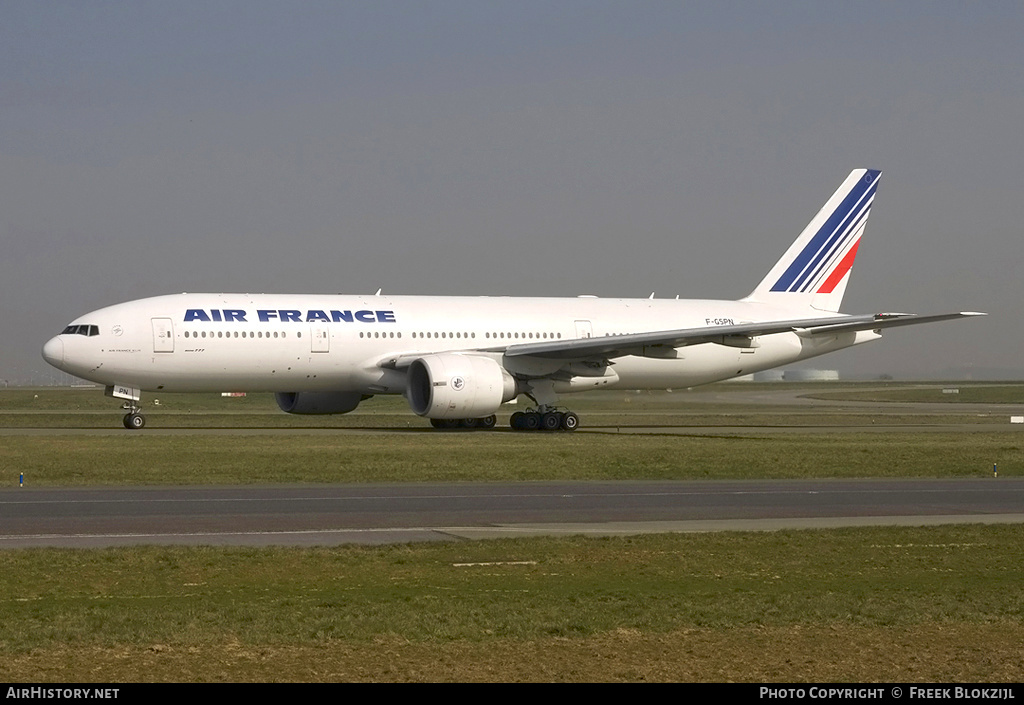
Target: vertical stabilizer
[(816, 268)]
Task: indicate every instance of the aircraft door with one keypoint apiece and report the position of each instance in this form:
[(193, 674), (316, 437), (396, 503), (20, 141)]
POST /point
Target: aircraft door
[(163, 335), (584, 329), (321, 338)]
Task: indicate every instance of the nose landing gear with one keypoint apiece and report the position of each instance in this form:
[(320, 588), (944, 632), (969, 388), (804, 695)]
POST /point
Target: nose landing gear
[(134, 419)]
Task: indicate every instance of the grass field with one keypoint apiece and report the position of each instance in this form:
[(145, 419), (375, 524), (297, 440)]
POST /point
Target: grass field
[(140, 459), (938, 604), (949, 393)]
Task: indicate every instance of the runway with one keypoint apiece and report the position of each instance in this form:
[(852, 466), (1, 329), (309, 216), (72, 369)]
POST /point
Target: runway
[(399, 513), (406, 512)]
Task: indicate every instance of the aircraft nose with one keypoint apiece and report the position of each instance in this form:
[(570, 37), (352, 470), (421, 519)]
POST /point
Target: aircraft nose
[(53, 352)]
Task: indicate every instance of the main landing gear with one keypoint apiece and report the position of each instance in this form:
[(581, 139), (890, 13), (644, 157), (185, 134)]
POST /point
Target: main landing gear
[(133, 420), (485, 423), (544, 420), (530, 420)]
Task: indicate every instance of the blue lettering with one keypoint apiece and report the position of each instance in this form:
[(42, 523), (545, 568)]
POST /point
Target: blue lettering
[(196, 314), (238, 315)]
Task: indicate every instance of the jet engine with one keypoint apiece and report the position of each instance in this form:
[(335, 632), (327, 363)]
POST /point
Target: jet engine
[(450, 386), (318, 402)]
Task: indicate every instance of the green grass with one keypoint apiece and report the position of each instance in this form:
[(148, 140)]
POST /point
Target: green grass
[(140, 459), (938, 604), (517, 588), (967, 393), (513, 596)]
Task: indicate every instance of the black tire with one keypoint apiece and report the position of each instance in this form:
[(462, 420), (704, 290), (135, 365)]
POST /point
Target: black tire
[(487, 422), (531, 421), (515, 421), (570, 422), (134, 421), (551, 421)]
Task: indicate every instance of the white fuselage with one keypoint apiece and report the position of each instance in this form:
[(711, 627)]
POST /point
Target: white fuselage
[(298, 343)]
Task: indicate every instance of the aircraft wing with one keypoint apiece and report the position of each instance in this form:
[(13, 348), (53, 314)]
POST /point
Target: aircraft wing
[(735, 335)]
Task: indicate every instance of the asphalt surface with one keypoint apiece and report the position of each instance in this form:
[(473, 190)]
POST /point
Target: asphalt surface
[(402, 512), (398, 513)]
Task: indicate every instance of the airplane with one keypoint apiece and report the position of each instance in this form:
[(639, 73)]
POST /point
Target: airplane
[(456, 360)]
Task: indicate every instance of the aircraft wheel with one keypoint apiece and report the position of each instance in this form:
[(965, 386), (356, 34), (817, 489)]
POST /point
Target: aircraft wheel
[(446, 424), (515, 421), (551, 421), (570, 422), (531, 421), (488, 421), (134, 421), (469, 423)]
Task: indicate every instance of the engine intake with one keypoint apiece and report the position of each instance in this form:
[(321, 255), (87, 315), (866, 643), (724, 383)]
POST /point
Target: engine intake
[(450, 386)]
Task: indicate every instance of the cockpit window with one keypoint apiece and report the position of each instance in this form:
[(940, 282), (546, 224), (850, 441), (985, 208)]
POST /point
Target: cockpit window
[(81, 329)]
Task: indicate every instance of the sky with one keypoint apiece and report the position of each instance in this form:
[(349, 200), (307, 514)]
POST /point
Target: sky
[(511, 148)]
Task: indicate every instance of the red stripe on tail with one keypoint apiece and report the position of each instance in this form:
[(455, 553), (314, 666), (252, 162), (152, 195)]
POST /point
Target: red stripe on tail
[(839, 272)]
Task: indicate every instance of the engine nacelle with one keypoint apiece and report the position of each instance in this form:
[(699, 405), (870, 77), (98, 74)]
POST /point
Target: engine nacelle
[(318, 402), (450, 386)]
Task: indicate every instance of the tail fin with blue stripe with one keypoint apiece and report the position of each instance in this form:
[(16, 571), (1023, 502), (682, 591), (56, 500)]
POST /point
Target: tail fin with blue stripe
[(816, 268)]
